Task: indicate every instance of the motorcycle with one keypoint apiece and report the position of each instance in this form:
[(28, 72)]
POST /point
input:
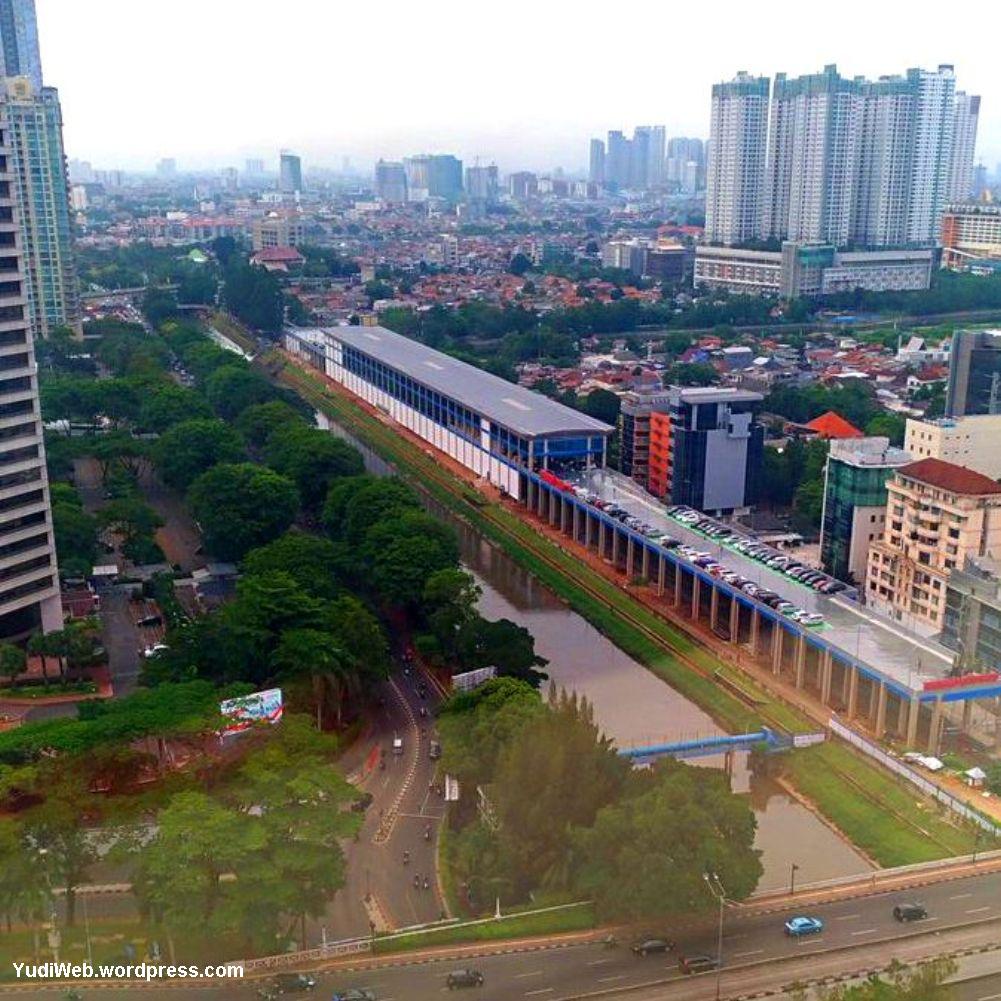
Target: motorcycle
[(406, 858), (417, 881), (427, 833), (609, 942), (426, 883)]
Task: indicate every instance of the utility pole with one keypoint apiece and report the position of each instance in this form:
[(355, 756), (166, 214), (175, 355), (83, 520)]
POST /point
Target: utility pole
[(715, 887)]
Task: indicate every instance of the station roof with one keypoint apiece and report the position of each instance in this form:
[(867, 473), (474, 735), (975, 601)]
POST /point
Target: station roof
[(519, 409)]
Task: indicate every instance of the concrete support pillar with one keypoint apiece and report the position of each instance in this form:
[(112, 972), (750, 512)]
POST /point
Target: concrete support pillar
[(661, 570), (541, 496), (696, 595), (734, 620), (826, 676), (589, 522), (777, 638), (853, 679), (755, 631), (935, 733), (566, 510), (714, 608), (913, 714), (530, 495), (578, 514), (800, 660), (678, 572), (997, 723), (555, 507), (616, 540), (630, 557), (880, 726), (901, 728), (967, 714), (645, 571), (602, 531)]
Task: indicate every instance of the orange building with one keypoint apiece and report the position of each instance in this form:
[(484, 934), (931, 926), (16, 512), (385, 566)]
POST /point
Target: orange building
[(659, 463)]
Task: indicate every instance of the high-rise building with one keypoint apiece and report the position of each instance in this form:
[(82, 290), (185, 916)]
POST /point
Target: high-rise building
[(167, 167), (618, 159), (937, 514), (19, 54), (230, 179), (523, 184), (29, 579), (289, 173), (648, 156), (970, 441), (736, 158), (596, 162), (35, 127), (964, 145), (390, 182), (971, 237), (972, 624), (974, 385), (482, 184), (685, 164), (812, 158), (854, 512), (445, 177), (253, 168)]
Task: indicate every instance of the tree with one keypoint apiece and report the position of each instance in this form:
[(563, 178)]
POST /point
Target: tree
[(314, 654), (23, 894), (449, 603), (188, 449), (312, 459), (254, 295), (682, 822), (603, 405), (691, 374), (519, 264), (169, 404), (230, 389), (159, 305), (76, 539), (258, 422), (12, 661), (313, 563), (242, 506), (887, 425), (558, 774), (926, 982), (130, 517), (504, 645), (355, 504)]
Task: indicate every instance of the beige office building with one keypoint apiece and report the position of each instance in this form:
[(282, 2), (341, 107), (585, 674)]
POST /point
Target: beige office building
[(937, 514), (274, 230), (973, 441)]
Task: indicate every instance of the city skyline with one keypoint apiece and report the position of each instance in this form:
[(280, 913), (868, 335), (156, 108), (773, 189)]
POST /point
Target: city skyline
[(200, 110)]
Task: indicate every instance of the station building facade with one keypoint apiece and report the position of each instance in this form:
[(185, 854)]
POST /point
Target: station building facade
[(495, 428)]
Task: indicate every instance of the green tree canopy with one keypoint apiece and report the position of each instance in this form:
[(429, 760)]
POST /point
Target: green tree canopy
[(258, 422), (313, 563), (312, 459), (242, 506), (188, 449), (230, 389)]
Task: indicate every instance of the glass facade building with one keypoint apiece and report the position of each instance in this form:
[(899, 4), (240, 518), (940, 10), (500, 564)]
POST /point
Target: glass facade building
[(972, 622)]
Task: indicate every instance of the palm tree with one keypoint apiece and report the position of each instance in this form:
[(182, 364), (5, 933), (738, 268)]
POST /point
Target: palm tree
[(41, 646), (317, 654)]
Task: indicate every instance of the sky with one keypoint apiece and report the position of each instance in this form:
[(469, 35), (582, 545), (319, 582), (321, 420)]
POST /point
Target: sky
[(523, 83)]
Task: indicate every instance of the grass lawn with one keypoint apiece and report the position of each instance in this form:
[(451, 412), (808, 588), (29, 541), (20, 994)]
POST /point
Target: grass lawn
[(577, 917), (41, 692), (889, 820)]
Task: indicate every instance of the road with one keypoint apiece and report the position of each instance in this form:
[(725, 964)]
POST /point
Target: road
[(403, 809), (859, 934)]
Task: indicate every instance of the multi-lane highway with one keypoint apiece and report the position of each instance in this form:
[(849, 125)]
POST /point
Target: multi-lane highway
[(858, 934)]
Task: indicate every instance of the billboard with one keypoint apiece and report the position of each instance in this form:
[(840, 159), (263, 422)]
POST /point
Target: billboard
[(258, 707), (471, 679)]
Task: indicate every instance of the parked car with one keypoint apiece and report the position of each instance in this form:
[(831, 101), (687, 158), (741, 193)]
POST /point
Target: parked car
[(354, 994), (697, 964), (464, 978), (803, 926), (651, 946), (149, 620), (910, 912), (293, 983), (362, 803)]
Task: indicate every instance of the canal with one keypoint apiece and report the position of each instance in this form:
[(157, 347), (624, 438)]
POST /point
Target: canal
[(634, 706)]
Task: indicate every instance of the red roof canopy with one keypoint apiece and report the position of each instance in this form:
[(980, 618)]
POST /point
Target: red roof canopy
[(949, 476), (832, 425)]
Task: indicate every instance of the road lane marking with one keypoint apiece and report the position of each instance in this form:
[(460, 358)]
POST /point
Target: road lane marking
[(961, 896), (848, 917), (541, 990), (752, 952), (990, 997), (977, 910), (533, 973), (606, 980), (865, 931), (598, 962)]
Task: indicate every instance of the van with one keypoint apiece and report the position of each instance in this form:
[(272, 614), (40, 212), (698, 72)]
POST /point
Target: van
[(910, 912)]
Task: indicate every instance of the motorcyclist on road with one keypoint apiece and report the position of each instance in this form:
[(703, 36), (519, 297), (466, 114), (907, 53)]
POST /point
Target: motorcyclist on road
[(406, 858)]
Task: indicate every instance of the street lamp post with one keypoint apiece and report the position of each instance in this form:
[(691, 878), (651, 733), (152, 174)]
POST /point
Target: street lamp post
[(715, 887), (793, 869)]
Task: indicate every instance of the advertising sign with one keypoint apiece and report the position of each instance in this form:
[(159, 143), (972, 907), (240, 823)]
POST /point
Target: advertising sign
[(258, 707)]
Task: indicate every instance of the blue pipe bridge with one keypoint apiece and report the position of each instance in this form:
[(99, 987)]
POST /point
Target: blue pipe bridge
[(706, 746)]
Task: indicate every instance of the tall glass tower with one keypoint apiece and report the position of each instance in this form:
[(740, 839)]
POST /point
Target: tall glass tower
[(19, 41)]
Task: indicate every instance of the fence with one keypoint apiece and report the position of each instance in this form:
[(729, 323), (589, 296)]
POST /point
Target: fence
[(957, 806)]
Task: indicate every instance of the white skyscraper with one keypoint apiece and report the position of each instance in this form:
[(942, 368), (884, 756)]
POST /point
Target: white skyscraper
[(813, 158), (736, 155), (931, 154), (964, 143)]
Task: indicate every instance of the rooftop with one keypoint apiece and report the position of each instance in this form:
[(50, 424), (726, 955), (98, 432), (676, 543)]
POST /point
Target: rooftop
[(832, 425), (515, 407), (948, 476)]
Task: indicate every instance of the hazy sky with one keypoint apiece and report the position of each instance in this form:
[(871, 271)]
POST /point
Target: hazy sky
[(525, 84)]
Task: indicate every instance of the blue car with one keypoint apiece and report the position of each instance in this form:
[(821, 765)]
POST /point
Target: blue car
[(804, 926)]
